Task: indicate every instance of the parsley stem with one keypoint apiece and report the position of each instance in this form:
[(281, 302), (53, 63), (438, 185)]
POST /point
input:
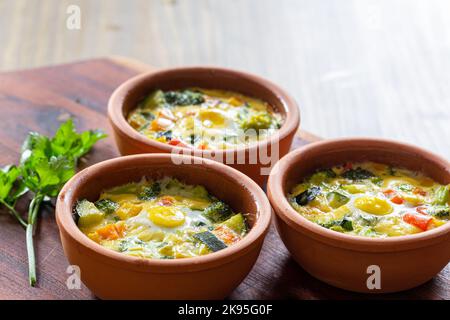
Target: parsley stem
[(14, 212), (33, 211)]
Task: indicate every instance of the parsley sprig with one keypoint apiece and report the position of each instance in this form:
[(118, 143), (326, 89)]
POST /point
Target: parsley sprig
[(46, 164)]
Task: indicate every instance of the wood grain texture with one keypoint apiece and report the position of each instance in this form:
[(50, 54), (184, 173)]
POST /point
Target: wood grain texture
[(356, 67), (45, 97)]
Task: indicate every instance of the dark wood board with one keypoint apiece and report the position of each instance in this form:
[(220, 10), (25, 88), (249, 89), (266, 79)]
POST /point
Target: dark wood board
[(39, 100)]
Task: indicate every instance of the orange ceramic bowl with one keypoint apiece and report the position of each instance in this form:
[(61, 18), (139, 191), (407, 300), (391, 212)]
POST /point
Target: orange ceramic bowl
[(347, 261), (247, 159), (113, 275)]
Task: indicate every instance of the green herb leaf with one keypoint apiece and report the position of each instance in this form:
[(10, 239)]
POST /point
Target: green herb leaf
[(67, 142)]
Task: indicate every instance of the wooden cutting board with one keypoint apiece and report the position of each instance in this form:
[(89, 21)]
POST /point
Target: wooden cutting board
[(39, 100)]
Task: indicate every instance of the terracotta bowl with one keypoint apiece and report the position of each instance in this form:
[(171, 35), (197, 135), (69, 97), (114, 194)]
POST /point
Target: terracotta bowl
[(245, 159), (343, 260), (113, 275)]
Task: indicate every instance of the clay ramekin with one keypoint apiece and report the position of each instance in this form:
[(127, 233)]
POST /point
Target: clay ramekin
[(343, 260), (248, 160), (113, 275)]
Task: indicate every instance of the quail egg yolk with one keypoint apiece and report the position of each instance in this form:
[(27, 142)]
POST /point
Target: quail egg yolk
[(168, 217)]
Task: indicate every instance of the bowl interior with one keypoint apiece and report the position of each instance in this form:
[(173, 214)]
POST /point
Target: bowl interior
[(391, 153), (225, 187), (208, 78)]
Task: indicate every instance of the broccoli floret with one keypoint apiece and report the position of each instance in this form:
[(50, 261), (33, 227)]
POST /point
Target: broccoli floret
[(218, 211), (358, 174), (183, 98), (107, 206), (150, 192)]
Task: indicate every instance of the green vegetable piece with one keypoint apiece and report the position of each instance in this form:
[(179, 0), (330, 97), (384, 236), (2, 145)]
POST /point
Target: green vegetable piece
[(218, 211), (88, 214), (107, 206), (336, 199), (183, 98), (358, 174), (200, 192), (346, 224), (406, 187), (258, 121), (210, 240), (153, 100), (150, 192), (442, 195), (307, 196), (147, 115), (322, 175), (439, 211), (236, 223)]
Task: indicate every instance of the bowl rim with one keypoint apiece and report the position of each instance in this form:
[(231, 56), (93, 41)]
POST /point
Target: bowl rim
[(292, 218), (290, 107), (64, 210)]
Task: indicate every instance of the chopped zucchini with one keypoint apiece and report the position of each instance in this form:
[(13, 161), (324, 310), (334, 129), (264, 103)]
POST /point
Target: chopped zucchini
[(322, 175), (307, 196), (153, 100), (88, 214), (442, 195), (336, 199), (210, 240), (236, 223)]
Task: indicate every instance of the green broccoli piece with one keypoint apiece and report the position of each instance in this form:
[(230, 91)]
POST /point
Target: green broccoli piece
[(257, 121), (150, 192), (358, 174), (183, 98), (218, 211), (107, 206)]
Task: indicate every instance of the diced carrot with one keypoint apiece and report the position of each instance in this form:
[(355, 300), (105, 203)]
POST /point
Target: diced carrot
[(388, 192), (202, 146), (419, 221), (177, 142), (419, 191), (166, 200), (111, 231), (397, 200)]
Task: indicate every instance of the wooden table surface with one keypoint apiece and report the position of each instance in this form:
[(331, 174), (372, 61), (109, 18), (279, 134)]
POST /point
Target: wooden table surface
[(357, 67), (42, 98)]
